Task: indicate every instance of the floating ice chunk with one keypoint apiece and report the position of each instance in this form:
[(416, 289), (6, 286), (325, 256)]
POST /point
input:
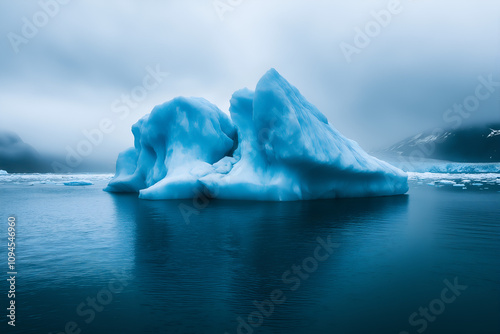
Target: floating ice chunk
[(289, 151), (77, 183), (494, 133), (280, 148), (3, 172), (174, 146), (447, 182)]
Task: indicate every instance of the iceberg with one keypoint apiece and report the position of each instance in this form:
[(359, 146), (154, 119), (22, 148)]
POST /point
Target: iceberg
[(175, 145), (3, 172), (275, 146)]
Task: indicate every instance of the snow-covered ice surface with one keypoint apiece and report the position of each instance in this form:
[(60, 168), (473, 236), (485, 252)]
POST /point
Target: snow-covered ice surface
[(276, 146), (462, 181), (481, 181), (2, 172), (454, 167), (54, 179), (420, 164)]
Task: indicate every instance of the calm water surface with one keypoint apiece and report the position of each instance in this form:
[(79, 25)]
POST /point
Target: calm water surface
[(161, 267)]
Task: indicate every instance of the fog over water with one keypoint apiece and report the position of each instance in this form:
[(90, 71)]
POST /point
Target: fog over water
[(79, 69)]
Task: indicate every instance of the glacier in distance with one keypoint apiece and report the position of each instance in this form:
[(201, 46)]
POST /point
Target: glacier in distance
[(275, 146)]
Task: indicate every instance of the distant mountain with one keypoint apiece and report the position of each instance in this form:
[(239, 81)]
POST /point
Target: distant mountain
[(471, 144), (18, 157)]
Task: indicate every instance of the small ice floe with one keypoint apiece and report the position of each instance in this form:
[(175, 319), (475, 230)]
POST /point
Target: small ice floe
[(493, 133), (466, 181), (78, 183), (450, 182), (3, 172), (477, 184), (459, 185)]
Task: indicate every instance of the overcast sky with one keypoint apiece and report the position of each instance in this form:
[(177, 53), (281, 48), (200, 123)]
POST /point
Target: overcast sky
[(65, 77)]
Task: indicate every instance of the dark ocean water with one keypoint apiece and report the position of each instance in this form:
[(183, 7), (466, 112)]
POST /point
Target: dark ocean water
[(107, 263)]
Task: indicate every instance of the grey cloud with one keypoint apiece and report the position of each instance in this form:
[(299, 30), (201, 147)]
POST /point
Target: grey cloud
[(65, 78)]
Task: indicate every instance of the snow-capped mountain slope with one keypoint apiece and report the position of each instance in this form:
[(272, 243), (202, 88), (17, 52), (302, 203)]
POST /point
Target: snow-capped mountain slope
[(471, 144), (16, 156)]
